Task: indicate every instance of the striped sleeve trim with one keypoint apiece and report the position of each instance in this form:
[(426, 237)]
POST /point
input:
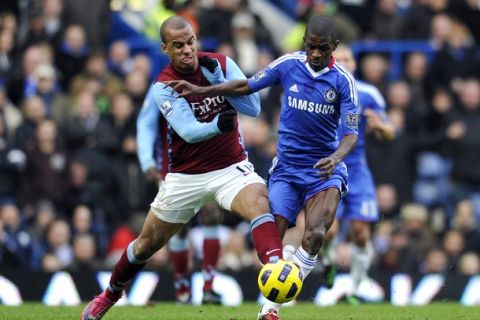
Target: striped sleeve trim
[(351, 82)]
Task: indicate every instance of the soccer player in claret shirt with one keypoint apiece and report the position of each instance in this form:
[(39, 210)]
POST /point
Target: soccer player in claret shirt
[(152, 151), (308, 172), (206, 162), (359, 206)]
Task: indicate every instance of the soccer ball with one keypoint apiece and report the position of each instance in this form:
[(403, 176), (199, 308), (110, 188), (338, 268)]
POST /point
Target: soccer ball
[(280, 281)]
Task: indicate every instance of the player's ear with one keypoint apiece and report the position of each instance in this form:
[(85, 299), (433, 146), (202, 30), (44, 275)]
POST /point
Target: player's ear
[(164, 47), (335, 44)]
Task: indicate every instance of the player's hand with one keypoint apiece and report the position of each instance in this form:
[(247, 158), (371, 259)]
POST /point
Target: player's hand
[(325, 166), (226, 121), (373, 120), (211, 70), (183, 88), (152, 175)]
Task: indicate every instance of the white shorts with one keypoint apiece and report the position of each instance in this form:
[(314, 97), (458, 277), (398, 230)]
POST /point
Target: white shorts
[(181, 195)]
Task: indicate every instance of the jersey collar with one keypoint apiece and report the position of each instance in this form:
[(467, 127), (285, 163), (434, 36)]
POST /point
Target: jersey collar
[(316, 74)]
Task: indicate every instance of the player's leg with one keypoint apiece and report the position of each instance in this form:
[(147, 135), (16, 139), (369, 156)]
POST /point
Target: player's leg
[(361, 211), (180, 254), (319, 216), (361, 253), (285, 202), (211, 215), (251, 202), (154, 235)]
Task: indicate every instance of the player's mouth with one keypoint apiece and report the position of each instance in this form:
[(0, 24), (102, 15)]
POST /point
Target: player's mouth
[(187, 60)]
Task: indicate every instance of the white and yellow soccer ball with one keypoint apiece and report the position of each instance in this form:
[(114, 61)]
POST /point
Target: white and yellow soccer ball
[(280, 281)]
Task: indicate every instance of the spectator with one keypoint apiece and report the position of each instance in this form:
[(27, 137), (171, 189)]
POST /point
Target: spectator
[(57, 244), (84, 249), (47, 88), (34, 112), (453, 246), (119, 61), (15, 248), (415, 223), (235, 254), (45, 174), (469, 264), (71, 54), (465, 222), (435, 262)]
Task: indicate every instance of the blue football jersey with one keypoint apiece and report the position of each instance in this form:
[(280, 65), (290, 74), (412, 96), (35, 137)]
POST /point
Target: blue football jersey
[(368, 97), (314, 105)]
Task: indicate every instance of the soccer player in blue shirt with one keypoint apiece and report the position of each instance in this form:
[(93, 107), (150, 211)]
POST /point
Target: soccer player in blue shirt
[(308, 172), (360, 205)]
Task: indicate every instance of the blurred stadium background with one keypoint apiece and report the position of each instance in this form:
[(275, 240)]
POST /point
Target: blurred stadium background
[(73, 75)]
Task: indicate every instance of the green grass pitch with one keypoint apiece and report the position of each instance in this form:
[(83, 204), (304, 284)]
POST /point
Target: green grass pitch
[(248, 311)]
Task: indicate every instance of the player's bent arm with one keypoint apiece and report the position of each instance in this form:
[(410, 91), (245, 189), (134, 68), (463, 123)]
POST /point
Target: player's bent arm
[(147, 127), (248, 104), (385, 132), (383, 128), (180, 116), (346, 145)]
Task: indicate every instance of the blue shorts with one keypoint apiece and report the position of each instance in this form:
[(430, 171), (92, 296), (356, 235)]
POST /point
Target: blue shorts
[(361, 202), (290, 187)]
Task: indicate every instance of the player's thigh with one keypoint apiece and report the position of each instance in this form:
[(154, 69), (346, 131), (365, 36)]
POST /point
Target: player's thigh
[(286, 199), (360, 231), (240, 189), (154, 235), (180, 197), (323, 196)]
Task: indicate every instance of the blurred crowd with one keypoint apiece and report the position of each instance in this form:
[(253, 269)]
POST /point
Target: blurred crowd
[(72, 194)]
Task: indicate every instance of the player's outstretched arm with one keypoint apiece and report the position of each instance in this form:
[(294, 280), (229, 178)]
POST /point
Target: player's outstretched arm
[(229, 88)]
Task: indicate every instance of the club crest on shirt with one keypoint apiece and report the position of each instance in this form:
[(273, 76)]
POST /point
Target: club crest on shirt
[(352, 120), (330, 95), (260, 75), (166, 108)]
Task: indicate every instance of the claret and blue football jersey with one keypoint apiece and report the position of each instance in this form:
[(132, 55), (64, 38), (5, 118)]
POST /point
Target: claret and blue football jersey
[(312, 107)]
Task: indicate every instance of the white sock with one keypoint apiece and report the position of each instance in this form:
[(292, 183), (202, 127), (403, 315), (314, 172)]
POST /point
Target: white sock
[(305, 261), (361, 258), (269, 305)]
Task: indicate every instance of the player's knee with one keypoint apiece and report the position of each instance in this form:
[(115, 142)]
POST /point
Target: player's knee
[(360, 236), (262, 204)]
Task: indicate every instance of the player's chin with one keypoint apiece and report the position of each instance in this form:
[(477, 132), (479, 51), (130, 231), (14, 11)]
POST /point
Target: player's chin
[(187, 67)]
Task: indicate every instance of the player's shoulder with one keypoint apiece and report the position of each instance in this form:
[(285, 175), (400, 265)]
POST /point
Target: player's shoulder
[(168, 73), (288, 59), (220, 57), (342, 71), (371, 91)]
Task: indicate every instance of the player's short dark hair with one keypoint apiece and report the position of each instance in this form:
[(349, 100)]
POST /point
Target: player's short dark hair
[(321, 26), (175, 22)]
